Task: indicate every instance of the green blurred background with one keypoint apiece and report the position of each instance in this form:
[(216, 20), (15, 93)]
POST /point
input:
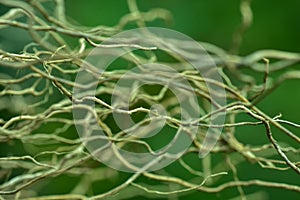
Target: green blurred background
[(276, 25)]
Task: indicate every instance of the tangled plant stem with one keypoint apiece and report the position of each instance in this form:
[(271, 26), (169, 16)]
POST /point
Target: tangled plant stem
[(49, 64)]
